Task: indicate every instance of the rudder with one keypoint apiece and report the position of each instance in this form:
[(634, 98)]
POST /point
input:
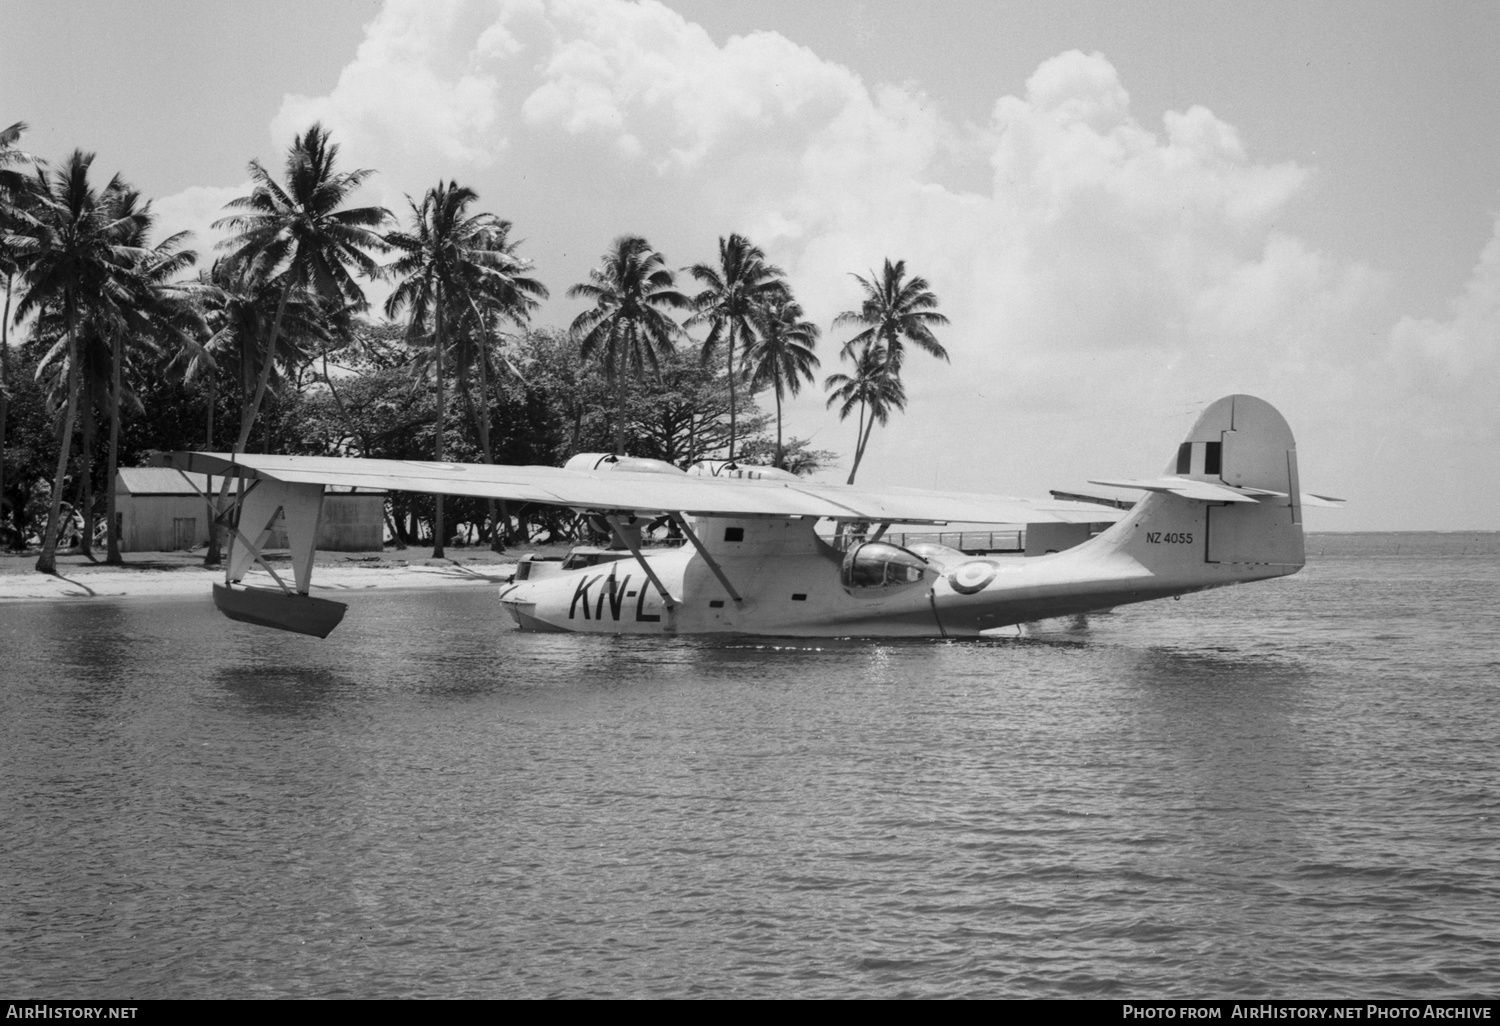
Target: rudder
[(1228, 505)]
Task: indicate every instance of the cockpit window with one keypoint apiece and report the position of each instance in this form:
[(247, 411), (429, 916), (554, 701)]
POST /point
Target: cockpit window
[(880, 565)]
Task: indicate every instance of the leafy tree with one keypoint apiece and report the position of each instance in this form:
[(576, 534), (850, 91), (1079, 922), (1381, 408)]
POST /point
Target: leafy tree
[(874, 388), (682, 415), (797, 456), (576, 393), (302, 237), (500, 292), (734, 291), (72, 250), (782, 357), (14, 192), (299, 238), (165, 318), (239, 309), (628, 328), (450, 261), (13, 182), (895, 311), (125, 332), (29, 452)]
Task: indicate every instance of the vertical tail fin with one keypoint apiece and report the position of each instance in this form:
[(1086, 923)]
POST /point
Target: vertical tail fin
[(1228, 507)]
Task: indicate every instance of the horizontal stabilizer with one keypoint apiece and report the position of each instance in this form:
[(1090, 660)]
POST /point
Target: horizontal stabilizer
[(1309, 499), (1187, 488), (1207, 491)]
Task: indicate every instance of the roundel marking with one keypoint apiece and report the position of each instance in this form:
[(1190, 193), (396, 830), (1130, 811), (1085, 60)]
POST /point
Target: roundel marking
[(973, 576)]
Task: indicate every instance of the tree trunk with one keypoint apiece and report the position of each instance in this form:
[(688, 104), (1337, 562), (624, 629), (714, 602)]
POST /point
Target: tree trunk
[(47, 562), (859, 453), (248, 416), (4, 394), (620, 404), (731, 393), (481, 422), (214, 553), (112, 465), (859, 445), (780, 453), (86, 485), (337, 401), (442, 420)]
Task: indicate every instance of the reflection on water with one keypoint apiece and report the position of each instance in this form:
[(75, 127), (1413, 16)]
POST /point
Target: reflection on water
[(1275, 790)]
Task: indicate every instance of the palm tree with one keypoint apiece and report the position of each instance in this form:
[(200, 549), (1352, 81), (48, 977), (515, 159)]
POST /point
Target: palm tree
[(497, 293), (72, 251), (894, 312), (875, 388), (12, 181), (125, 324), (14, 188), (164, 314), (628, 327), (301, 237), (493, 291), (742, 282), (782, 358), (449, 260), (238, 309)]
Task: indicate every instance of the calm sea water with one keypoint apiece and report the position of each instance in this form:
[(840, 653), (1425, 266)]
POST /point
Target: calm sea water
[(1288, 789)]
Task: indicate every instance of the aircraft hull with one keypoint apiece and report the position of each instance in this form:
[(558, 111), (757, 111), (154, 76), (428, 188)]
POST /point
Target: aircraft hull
[(792, 586), (1227, 511)]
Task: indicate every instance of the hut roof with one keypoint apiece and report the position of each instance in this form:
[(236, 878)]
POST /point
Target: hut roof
[(140, 481)]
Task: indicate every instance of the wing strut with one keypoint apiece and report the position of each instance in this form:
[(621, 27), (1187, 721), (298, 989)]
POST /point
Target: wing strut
[(255, 553), (635, 550), (681, 522)]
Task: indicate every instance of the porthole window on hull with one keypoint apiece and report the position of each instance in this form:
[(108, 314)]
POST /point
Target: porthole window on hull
[(878, 565)]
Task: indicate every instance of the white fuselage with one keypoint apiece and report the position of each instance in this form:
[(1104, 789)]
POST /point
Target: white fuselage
[(792, 583)]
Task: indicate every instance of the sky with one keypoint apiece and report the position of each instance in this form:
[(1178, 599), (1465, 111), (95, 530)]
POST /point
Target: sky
[(1125, 210)]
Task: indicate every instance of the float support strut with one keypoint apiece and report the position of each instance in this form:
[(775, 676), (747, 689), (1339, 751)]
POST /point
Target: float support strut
[(301, 507), (635, 550)]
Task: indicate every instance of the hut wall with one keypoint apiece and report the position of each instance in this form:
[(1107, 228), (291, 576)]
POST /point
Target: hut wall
[(350, 523), (165, 517), (159, 523)]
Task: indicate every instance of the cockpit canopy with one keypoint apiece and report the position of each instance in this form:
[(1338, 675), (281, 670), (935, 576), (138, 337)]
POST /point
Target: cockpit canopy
[(880, 565)]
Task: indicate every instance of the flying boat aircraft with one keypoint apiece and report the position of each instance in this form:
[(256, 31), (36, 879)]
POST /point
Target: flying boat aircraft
[(1227, 510)]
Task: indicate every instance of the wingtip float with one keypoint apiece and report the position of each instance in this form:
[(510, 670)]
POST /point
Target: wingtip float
[(1227, 510)]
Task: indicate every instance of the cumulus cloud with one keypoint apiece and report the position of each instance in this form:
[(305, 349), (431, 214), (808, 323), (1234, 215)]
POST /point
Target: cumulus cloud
[(421, 88), (1453, 365), (1111, 266), (195, 210)]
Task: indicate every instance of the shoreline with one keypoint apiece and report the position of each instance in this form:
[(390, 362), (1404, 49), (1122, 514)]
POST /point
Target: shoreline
[(182, 574)]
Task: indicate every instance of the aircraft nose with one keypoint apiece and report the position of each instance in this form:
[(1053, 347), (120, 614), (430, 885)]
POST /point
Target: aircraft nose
[(520, 601)]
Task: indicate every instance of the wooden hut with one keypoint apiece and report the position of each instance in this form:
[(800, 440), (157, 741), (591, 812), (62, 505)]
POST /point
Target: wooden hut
[(158, 510)]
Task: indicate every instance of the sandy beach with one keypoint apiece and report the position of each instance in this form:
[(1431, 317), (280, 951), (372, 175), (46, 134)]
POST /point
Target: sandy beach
[(159, 574)]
